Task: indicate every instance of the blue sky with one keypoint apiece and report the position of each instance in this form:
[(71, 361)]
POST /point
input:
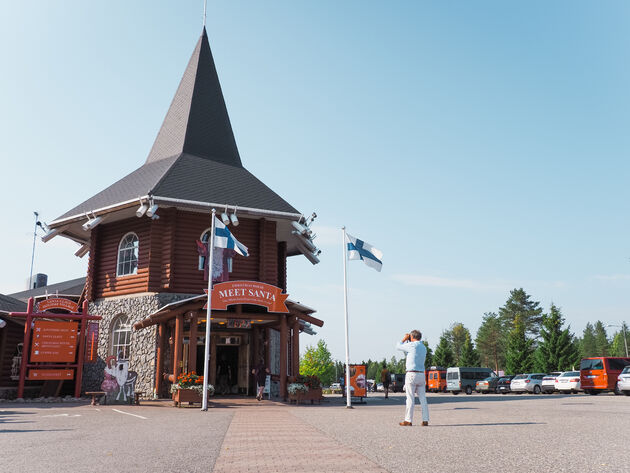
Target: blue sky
[(481, 146)]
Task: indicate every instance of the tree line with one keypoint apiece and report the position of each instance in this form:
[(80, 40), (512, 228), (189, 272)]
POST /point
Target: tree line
[(519, 338)]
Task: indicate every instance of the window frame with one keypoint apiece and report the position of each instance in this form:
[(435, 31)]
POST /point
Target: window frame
[(120, 325), (122, 263)]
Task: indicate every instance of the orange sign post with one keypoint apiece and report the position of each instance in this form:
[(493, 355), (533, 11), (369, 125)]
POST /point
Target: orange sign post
[(58, 375), (58, 303), (358, 381)]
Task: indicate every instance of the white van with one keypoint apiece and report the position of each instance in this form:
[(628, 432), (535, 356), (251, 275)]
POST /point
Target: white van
[(463, 379)]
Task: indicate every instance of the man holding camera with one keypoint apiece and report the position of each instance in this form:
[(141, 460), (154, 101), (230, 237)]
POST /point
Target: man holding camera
[(414, 379)]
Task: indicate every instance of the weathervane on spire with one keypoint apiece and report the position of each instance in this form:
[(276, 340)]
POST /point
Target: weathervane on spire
[(205, 4)]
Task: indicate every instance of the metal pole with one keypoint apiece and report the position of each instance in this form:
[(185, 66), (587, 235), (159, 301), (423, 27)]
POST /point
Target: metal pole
[(206, 361), (625, 337), (30, 278), (345, 303)]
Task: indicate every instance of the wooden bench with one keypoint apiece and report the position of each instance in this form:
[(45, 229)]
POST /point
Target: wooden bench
[(137, 396), (94, 394)]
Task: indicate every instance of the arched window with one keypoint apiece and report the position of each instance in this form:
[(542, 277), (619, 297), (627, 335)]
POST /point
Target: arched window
[(127, 255), (121, 337)]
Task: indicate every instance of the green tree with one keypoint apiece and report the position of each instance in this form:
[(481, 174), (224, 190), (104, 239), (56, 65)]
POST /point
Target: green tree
[(602, 344), (519, 304), (618, 347), (469, 356), (588, 346), (519, 356), (428, 361), (457, 337), (557, 350), (317, 361), (491, 342), (443, 355)]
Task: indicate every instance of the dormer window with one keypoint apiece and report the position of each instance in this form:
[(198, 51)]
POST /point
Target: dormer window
[(128, 255)]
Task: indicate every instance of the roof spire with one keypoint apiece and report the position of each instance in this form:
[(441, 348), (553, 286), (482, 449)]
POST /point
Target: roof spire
[(205, 5)]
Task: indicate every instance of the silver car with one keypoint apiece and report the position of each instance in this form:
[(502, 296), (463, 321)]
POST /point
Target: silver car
[(531, 383), (623, 381)]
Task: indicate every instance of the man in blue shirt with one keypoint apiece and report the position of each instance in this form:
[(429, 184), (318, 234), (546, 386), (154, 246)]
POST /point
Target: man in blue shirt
[(414, 379)]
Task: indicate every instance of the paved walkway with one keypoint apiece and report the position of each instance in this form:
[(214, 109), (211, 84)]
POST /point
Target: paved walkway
[(269, 438)]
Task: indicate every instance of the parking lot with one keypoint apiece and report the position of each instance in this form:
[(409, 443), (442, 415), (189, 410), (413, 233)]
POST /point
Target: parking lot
[(478, 432)]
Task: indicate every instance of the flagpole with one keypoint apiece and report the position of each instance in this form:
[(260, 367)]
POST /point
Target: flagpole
[(206, 361), (345, 303)]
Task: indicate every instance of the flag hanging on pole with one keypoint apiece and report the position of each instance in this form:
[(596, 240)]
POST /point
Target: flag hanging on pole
[(358, 249), (224, 239)]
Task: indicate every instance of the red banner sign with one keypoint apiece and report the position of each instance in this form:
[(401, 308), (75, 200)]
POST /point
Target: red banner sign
[(358, 381), (50, 374), (54, 341), (58, 303), (248, 292), (91, 343)]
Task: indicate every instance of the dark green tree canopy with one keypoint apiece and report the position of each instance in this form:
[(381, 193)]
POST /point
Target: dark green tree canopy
[(519, 357), (557, 350), (491, 341), (520, 304), (469, 356), (443, 355)]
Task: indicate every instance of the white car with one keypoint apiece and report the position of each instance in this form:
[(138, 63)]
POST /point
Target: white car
[(568, 382), (623, 381), (549, 382), (524, 383)]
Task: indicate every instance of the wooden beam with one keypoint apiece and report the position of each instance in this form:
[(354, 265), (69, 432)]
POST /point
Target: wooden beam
[(159, 366), (284, 341), (296, 347), (178, 343), (192, 343)]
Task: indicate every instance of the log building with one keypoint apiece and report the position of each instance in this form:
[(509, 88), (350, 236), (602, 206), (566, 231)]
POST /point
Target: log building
[(147, 270)]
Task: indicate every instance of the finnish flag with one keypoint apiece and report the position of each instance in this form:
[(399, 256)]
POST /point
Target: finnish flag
[(358, 249), (223, 238)]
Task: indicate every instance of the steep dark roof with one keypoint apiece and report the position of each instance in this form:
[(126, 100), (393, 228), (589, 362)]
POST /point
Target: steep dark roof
[(194, 156), (9, 304), (73, 287)]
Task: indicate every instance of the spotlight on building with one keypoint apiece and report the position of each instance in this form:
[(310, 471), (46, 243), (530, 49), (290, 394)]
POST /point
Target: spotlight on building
[(91, 223), (142, 210), (225, 219), (151, 210), (234, 218), (83, 250)]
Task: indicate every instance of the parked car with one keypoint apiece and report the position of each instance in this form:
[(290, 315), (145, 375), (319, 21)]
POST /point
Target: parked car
[(464, 379), (503, 384), (548, 385), (599, 374), (524, 383), (487, 385), (336, 386), (569, 381), (397, 383), (623, 381), (379, 387)]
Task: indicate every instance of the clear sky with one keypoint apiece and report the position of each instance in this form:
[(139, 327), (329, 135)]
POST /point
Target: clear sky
[(481, 146)]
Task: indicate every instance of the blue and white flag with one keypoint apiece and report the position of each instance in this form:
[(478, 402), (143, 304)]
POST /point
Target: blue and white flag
[(358, 249), (223, 238)]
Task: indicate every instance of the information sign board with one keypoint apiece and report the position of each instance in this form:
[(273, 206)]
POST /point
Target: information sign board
[(50, 374), (358, 381), (54, 342)]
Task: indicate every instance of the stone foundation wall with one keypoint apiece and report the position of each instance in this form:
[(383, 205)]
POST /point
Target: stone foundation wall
[(143, 349)]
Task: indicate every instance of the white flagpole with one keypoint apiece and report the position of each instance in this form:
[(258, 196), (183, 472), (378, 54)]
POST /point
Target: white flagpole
[(206, 360), (345, 303)]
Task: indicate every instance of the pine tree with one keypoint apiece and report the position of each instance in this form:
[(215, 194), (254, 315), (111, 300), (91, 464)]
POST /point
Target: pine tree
[(519, 304), (491, 342), (557, 350), (469, 356), (443, 355), (588, 346), (428, 361), (519, 356), (618, 346), (602, 344)]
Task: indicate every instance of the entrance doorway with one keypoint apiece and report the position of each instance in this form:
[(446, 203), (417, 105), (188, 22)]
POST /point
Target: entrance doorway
[(227, 370)]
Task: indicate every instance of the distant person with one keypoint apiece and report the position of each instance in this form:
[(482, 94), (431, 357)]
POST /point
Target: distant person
[(414, 379), (260, 374), (224, 375), (386, 378), (342, 382)]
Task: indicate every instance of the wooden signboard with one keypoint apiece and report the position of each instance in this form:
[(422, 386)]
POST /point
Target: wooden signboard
[(54, 342), (58, 303), (248, 292), (58, 375)]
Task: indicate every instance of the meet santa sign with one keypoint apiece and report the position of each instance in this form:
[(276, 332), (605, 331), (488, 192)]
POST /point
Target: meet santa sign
[(248, 292)]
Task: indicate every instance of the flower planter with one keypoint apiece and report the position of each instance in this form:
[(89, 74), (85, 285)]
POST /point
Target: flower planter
[(186, 395), (311, 395)]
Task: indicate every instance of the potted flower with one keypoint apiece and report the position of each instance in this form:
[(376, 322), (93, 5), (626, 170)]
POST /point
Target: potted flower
[(305, 388), (189, 388)]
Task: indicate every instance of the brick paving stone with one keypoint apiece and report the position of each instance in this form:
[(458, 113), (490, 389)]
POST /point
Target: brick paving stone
[(270, 439)]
